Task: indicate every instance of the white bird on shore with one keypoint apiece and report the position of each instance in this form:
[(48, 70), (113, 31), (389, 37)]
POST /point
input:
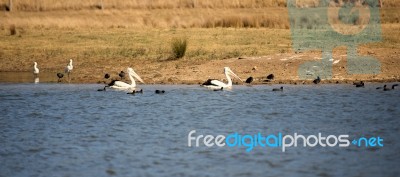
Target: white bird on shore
[(216, 84), (69, 67), (35, 69), (123, 85)]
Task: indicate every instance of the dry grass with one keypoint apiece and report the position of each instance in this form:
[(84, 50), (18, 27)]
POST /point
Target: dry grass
[(104, 47), (155, 18), (138, 32), (13, 31), (50, 5)]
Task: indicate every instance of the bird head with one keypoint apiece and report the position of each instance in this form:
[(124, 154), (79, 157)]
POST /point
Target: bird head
[(230, 72), (133, 73)]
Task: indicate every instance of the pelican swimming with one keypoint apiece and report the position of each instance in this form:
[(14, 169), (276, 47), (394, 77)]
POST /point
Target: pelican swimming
[(123, 85), (35, 69), (216, 84)]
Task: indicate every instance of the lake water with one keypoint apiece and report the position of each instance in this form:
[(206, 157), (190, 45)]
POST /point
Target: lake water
[(75, 130)]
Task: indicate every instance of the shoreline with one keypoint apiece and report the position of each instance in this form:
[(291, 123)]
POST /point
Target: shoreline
[(25, 78), (189, 72)]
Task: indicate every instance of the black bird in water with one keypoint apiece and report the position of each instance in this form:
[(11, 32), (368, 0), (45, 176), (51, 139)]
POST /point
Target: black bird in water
[(359, 84), (277, 89), (159, 91), (317, 80), (385, 88), (60, 75), (121, 74), (134, 92), (249, 80), (104, 89), (106, 76)]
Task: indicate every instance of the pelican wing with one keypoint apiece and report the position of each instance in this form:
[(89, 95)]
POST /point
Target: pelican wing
[(207, 82), (121, 84), (218, 83)]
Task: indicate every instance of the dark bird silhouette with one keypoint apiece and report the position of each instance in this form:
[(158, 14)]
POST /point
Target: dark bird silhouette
[(271, 77), (159, 91), (104, 89), (249, 80), (134, 92), (140, 91), (60, 75), (277, 89), (106, 76), (222, 88), (121, 74), (112, 82), (317, 80), (359, 84), (385, 88)]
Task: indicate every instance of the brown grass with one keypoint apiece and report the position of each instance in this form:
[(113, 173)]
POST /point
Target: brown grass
[(13, 30), (49, 5), (137, 32), (154, 18)]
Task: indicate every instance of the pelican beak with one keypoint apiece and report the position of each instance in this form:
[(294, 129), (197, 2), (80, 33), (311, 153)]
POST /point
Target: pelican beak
[(136, 76), (234, 75)]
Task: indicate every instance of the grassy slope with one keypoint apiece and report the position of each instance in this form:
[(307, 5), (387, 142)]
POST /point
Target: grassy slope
[(104, 41)]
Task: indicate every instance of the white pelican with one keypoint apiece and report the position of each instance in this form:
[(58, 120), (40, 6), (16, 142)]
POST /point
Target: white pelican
[(35, 69), (216, 84), (69, 67), (123, 85)]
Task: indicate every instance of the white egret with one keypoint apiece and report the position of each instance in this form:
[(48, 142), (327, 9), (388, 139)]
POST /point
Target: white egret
[(35, 69), (69, 67)]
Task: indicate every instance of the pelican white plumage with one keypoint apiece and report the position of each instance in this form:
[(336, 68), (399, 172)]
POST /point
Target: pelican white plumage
[(216, 84), (69, 67), (123, 85), (35, 69)]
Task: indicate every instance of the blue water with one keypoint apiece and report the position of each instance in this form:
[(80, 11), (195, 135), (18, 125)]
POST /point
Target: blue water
[(74, 130)]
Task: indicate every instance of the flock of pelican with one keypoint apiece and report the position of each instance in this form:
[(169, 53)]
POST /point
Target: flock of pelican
[(211, 84), (132, 75)]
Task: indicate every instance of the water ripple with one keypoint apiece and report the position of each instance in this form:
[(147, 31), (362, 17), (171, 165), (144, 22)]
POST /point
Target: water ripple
[(73, 130)]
